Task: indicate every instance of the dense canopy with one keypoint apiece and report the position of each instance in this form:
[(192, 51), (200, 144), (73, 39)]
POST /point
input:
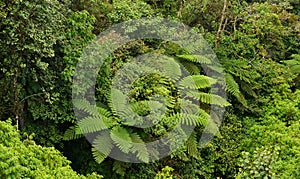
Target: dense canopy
[(239, 76)]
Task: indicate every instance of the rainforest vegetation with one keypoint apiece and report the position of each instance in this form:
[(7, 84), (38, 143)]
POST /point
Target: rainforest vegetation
[(256, 42)]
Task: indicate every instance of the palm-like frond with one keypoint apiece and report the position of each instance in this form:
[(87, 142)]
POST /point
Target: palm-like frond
[(231, 85), (192, 68), (102, 146), (139, 147), (73, 133), (109, 122), (197, 82), (92, 124), (194, 120), (208, 98), (192, 146), (98, 156), (195, 58), (86, 106), (121, 138)]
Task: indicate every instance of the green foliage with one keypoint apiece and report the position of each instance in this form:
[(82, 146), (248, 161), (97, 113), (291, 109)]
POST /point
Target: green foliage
[(256, 41), (25, 159), (258, 165), (165, 173), (28, 43), (124, 10), (294, 66), (98, 8), (47, 40), (277, 128)]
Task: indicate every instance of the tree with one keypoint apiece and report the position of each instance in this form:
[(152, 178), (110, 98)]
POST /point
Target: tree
[(43, 42), (24, 159)]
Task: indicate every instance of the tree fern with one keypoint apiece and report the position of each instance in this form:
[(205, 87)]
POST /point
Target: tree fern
[(110, 124)]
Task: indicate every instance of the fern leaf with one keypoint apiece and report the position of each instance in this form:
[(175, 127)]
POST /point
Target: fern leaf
[(104, 112), (98, 156), (119, 104), (72, 133), (208, 98), (139, 147), (192, 146), (121, 138), (188, 107), (171, 69), (197, 82), (231, 85), (194, 120), (192, 68), (84, 105), (91, 124), (248, 89), (195, 58), (102, 146), (215, 68)]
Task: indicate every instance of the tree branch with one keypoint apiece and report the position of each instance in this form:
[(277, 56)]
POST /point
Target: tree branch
[(219, 32)]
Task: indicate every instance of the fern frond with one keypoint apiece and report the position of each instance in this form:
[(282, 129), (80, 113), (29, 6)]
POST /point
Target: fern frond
[(98, 156), (188, 106), (195, 58), (170, 69), (85, 105), (191, 67), (139, 147), (72, 133), (102, 146), (121, 138), (208, 98), (119, 103), (215, 68), (104, 112), (197, 82), (189, 119), (199, 119), (144, 105), (231, 85), (91, 124), (163, 65), (192, 146)]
